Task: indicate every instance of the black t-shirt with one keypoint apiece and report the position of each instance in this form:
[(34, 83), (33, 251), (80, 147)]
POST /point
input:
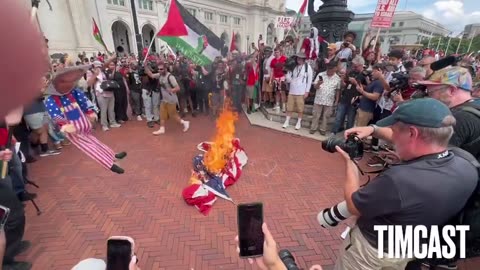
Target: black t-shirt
[(427, 191), (466, 131), (135, 82), (350, 90)]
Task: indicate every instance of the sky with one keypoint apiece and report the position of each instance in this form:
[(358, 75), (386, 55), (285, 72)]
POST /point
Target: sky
[(453, 14)]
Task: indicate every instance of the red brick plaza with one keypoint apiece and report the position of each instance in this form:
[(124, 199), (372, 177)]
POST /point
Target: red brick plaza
[(83, 204)]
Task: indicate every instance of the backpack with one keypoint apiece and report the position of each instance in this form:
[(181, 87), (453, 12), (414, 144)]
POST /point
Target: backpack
[(470, 214), (473, 108)]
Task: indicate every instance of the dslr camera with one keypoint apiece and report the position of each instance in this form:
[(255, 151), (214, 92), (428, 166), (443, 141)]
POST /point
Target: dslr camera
[(399, 83), (352, 145)]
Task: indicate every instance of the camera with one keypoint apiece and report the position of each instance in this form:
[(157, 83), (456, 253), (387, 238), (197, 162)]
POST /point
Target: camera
[(290, 64), (352, 145), (330, 217), (346, 44), (288, 259), (398, 84), (420, 91)]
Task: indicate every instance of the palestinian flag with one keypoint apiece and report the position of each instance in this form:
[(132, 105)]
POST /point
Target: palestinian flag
[(301, 13), (188, 35), (98, 36)]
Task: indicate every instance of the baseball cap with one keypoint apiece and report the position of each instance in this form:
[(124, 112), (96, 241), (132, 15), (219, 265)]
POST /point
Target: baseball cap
[(424, 112), (455, 76)]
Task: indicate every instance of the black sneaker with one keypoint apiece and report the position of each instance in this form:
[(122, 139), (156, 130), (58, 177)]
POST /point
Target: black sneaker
[(26, 196), (116, 169), (121, 155), (49, 153), (17, 266), (150, 124), (312, 132)]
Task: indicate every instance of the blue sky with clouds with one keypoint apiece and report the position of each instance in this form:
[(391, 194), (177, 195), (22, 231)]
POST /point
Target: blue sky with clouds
[(453, 14)]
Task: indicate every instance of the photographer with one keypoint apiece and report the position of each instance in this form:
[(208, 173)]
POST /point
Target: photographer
[(135, 86), (348, 103), (453, 87), (370, 95), (415, 75), (151, 94), (404, 194), (345, 50)]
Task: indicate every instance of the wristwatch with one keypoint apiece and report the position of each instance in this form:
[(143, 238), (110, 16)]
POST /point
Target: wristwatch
[(375, 128)]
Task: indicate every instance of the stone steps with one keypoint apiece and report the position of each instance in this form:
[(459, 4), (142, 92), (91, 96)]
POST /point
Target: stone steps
[(272, 115)]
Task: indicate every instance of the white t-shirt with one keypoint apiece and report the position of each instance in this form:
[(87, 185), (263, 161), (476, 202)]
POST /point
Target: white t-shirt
[(267, 68), (345, 53)]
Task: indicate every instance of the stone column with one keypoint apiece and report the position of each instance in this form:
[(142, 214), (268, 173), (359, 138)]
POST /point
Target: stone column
[(82, 25), (331, 19)]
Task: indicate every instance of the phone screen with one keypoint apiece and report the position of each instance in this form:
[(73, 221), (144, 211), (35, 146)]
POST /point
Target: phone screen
[(119, 254), (250, 234), (4, 212)]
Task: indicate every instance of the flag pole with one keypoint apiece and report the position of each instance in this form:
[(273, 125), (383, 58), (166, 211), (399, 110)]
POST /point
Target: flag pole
[(448, 45), (148, 52), (471, 41), (376, 39), (438, 44), (458, 47)]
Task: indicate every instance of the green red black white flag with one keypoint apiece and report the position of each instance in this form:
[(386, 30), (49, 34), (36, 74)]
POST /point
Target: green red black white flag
[(188, 35)]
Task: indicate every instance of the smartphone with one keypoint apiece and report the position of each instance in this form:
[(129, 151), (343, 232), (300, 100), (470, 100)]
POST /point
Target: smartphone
[(119, 252), (4, 212), (250, 234)]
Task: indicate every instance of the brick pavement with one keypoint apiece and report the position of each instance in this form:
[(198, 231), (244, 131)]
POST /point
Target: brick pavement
[(83, 204)]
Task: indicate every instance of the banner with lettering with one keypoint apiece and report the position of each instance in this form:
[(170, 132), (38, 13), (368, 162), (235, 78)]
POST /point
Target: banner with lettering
[(284, 22), (384, 14)]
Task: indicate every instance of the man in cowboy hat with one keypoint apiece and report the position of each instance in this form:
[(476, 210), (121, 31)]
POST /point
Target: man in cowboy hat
[(70, 109), (300, 80)]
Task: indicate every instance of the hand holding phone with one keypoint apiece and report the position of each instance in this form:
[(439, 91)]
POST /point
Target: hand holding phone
[(120, 253), (250, 233), (4, 212)]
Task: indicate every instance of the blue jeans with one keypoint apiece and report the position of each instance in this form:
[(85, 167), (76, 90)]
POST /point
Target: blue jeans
[(344, 110)]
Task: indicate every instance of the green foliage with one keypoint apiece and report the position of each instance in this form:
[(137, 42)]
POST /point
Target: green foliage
[(453, 44)]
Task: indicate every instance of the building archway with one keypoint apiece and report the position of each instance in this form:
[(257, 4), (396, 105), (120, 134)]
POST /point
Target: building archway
[(121, 37), (270, 34), (148, 34)]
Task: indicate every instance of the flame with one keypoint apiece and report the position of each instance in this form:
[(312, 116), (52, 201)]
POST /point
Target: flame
[(217, 156)]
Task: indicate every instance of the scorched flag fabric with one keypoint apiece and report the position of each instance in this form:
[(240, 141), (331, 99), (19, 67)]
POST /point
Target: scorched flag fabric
[(185, 33)]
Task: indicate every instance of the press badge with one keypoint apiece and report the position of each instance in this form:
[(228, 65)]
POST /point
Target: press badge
[(345, 233)]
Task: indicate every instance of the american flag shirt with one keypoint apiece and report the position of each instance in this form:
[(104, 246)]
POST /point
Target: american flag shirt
[(76, 98)]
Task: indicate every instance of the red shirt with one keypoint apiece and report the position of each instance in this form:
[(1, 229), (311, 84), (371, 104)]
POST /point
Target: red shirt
[(277, 66), (4, 137), (252, 74)]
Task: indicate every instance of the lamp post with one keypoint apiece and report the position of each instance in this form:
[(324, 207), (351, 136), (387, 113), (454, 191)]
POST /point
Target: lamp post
[(138, 37)]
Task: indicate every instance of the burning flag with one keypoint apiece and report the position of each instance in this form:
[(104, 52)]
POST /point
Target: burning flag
[(220, 167), (219, 153)]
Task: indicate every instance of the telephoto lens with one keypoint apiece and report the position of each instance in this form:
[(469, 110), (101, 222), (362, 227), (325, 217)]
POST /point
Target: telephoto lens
[(352, 145), (288, 259), (330, 217)]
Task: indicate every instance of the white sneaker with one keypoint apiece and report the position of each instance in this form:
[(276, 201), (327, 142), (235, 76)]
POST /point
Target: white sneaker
[(186, 126), (115, 125), (298, 125), (159, 131), (105, 128), (139, 118), (286, 124)]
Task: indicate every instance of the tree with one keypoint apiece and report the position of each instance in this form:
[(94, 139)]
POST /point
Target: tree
[(452, 48)]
